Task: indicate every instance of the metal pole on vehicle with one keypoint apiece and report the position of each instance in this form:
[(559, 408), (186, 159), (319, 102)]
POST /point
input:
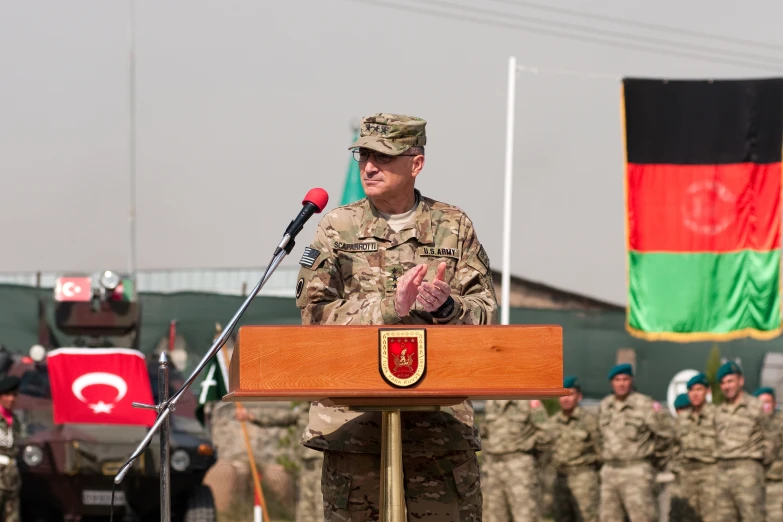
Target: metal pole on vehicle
[(165, 474)]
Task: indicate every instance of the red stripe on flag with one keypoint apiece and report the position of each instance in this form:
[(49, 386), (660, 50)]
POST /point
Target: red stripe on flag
[(704, 208)]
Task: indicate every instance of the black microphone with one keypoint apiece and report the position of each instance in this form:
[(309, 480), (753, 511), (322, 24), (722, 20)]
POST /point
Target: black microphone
[(313, 203)]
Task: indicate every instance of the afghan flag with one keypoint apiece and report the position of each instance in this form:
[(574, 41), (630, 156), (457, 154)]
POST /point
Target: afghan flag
[(703, 208)]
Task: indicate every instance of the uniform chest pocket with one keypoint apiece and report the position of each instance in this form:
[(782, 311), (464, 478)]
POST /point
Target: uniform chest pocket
[(361, 272), (578, 435), (633, 428), (739, 429)]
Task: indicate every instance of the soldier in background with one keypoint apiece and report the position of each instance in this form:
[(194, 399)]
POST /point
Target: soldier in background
[(576, 452), (637, 440), (309, 504), (774, 475), (744, 445), (695, 492), (682, 403), (10, 432), (512, 435)]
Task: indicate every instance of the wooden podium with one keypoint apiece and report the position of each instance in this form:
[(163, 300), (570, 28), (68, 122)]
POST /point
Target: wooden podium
[(393, 369)]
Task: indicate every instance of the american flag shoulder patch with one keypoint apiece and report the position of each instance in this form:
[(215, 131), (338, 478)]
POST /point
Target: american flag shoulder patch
[(309, 257)]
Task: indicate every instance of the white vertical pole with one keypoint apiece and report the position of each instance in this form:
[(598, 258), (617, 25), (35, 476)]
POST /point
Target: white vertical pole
[(506, 276), (132, 143)]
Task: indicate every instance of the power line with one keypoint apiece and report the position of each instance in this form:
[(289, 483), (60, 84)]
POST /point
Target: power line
[(560, 34), (646, 25), (604, 32)]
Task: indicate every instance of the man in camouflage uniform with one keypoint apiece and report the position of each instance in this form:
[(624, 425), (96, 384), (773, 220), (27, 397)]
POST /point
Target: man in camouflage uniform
[(774, 475), (695, 491), (745, 444), (309, 504), (10, 432), (512, 435), (637, 437), (576, 452), (396, 258)]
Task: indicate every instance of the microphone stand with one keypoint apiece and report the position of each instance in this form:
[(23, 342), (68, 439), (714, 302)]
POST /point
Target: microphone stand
[(166, 406)]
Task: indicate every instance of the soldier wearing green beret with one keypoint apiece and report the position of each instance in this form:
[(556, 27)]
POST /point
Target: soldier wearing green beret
[(695, 486), (396, 257), (745, 445), (576, 453), (774, 476), (637, 439), (514, 437), (10, 432)]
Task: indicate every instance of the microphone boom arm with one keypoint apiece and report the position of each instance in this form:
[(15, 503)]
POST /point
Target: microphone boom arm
[(165, 408)]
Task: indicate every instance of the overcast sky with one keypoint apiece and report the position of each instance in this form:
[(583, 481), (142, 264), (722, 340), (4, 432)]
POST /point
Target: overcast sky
[(244, 105)]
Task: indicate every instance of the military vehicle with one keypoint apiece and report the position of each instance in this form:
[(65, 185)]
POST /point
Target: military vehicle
[(68, 469)]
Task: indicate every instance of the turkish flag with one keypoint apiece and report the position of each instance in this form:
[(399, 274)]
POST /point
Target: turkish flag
[(98, 386), (73, 289)]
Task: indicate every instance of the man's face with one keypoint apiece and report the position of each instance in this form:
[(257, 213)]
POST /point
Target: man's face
[(731, 385), (698, 395), (769, 402), (569, 402), (382, 179), (8, 400), (621, 385)]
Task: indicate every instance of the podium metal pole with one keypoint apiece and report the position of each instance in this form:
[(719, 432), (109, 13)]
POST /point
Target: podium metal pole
[(392, 491)]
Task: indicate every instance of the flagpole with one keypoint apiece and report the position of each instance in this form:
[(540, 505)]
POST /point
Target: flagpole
[(506, 276), (132, 144)]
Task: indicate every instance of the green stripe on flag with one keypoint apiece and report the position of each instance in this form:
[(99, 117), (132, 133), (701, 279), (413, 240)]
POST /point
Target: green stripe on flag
[(706, 293)]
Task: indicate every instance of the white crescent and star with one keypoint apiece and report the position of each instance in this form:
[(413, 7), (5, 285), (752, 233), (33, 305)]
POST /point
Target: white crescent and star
[(108, 379), (70, 289)]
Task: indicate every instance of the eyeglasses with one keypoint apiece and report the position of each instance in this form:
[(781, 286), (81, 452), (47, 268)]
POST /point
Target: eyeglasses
[(362, 155)]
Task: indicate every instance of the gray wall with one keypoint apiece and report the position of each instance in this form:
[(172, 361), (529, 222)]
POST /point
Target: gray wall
[(243, 105)]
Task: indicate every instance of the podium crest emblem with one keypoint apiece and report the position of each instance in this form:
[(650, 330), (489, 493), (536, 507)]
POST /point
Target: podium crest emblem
[(402, 355)]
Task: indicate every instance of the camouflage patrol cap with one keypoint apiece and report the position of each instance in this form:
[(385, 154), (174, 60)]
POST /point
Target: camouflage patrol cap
[(391, 134)]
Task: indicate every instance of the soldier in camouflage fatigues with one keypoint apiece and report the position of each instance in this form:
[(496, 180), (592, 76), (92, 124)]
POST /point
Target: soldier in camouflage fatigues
[(396, 257), (513, 433), (637, 437), (774, 477), (10, 432), (309, 504), (745, 444), (576, 448), (695, 490)]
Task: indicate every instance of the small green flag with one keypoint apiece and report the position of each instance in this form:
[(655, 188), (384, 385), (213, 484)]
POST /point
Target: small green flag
[(214, 386), (353, 190)]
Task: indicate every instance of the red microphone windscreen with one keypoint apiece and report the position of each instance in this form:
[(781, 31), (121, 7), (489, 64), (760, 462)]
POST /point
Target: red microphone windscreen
[(317, 197)]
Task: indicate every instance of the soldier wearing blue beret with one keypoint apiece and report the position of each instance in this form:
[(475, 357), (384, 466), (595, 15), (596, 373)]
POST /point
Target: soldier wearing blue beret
[(693, 495), (576, 454), (682, 403), (746, 443), (774, 476), (637, 440)]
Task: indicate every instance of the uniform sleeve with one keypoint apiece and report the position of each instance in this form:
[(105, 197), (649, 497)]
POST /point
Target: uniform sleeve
[(596, 436), (321, 296), (771, 429), (662, 426), (545, 436), (475, 303)]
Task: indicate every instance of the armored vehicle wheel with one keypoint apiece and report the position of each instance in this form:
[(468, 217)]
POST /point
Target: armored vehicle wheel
[(201, 505)]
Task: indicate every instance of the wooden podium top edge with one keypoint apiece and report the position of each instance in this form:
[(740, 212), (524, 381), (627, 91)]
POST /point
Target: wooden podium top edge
[(401, 326), (391, 396)]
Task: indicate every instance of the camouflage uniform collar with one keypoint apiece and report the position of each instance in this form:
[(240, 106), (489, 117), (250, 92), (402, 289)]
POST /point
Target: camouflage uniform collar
[(420, 226), (744, 400), (629, 402), (576, 414)]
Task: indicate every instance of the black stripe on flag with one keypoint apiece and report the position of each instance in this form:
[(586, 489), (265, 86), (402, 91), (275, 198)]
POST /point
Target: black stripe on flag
[(309, 256), (703, 122)]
